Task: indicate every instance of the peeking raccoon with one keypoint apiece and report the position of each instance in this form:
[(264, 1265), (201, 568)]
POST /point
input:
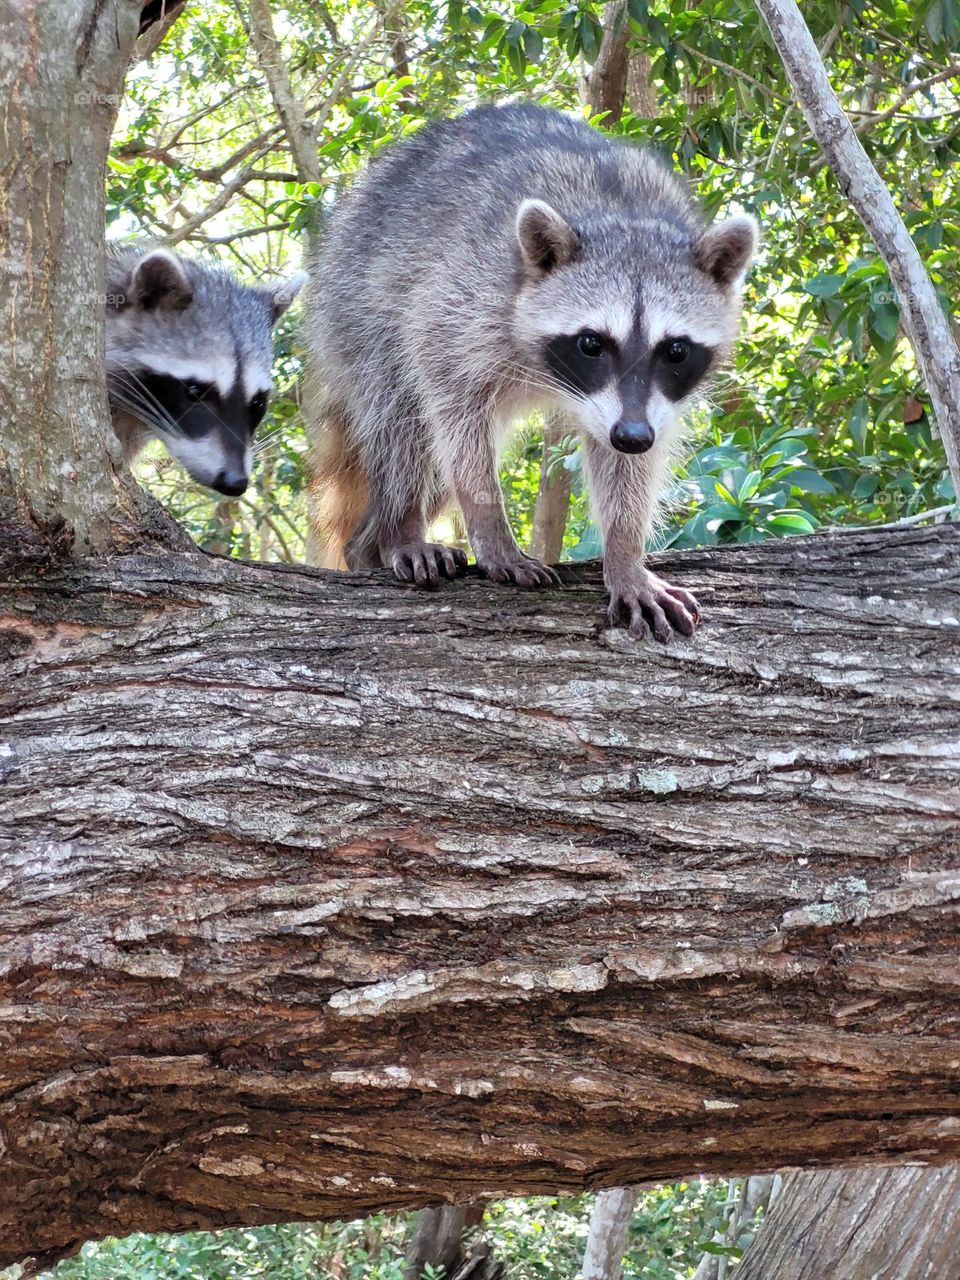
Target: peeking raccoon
[(189, 354), (508, 260)]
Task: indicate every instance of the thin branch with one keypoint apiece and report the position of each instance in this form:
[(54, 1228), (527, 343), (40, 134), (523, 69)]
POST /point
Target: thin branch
[(300, 132)]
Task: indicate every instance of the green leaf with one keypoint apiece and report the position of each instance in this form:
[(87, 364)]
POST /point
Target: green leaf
[(810, 481), (885, 321), (866, 487), (824, 285), (857, 422), (750, 486), (533, 44), (750, 533), (793, 523)]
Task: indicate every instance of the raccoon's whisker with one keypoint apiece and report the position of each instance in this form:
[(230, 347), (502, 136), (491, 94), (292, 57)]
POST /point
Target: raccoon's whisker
[(126, 398), (163, 413), (268, 438), (132, 394), (147, 414)]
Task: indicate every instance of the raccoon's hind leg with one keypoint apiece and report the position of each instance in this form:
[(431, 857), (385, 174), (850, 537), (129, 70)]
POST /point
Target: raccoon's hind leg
[(362, 551), (404, 486), (469, 453)]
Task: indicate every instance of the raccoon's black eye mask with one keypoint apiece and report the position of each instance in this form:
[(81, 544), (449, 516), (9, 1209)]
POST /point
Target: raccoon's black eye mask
[(195, 409), (586, 362)]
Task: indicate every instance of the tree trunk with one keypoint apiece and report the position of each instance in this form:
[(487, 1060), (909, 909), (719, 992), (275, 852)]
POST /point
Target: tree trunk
[(320, 896), (61, 75), (553, 496), (609, 1230), (440, 1242), (860, 1224), (927, 327), (606, 85)]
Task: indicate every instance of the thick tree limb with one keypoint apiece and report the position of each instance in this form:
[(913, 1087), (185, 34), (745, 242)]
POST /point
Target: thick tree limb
[(319, 896), (156, 19), (927, 327)]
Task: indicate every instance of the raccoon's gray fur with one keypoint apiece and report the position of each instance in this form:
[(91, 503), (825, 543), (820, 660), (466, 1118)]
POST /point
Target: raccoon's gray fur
[(189, 354), (511, 259)]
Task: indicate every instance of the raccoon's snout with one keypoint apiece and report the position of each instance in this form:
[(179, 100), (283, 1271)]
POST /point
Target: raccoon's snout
[(632, 437), (232, 483)]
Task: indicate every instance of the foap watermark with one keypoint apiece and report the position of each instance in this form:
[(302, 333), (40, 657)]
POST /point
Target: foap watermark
[(93, 98), (112, 300), (698, 95)]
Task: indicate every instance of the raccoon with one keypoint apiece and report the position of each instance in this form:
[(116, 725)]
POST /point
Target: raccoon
[(507, 260), (189, 356)]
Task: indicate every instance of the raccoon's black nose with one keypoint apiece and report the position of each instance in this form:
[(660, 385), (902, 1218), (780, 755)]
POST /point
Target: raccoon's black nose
[(232, 483), (632, 437)]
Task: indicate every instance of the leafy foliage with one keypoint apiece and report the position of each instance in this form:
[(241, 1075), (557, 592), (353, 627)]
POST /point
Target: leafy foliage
[(538, 1239), (200, 159)]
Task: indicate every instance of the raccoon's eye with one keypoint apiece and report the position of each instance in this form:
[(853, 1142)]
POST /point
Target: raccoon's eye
[(677, 351), (590, 344), (196, 390), (258, 407)]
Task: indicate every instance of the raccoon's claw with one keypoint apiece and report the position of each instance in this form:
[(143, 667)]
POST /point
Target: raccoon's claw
[(524, 571), (653, 606), (425, 563)]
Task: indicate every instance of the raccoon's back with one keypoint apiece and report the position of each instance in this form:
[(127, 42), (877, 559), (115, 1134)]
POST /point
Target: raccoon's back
[(435, 213)]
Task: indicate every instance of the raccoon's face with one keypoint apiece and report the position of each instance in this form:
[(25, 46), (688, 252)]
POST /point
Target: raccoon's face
[(189, 354), (203, 413), (627, 324)]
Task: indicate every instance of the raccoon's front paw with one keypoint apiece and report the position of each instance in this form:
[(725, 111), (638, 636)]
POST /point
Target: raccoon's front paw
[(425, 563), (646, 604), (521, 570)]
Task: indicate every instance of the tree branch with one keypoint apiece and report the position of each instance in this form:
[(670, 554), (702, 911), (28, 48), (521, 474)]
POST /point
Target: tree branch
[(300, 133)]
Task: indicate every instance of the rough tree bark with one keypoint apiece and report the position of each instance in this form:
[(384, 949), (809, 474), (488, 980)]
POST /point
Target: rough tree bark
[(927, 327), (860, 1224), (61, 75), (318, 896)]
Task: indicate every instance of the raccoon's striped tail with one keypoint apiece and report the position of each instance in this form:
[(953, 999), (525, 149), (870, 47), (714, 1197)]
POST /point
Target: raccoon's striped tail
[(338, 490)]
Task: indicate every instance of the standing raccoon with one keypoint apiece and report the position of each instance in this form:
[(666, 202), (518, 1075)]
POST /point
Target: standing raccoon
[(189, 355), (508, 260)]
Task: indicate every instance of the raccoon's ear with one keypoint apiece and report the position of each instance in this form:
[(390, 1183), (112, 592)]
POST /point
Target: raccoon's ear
[(158, 281), (281, 293), (725, 249), (546, 239)]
